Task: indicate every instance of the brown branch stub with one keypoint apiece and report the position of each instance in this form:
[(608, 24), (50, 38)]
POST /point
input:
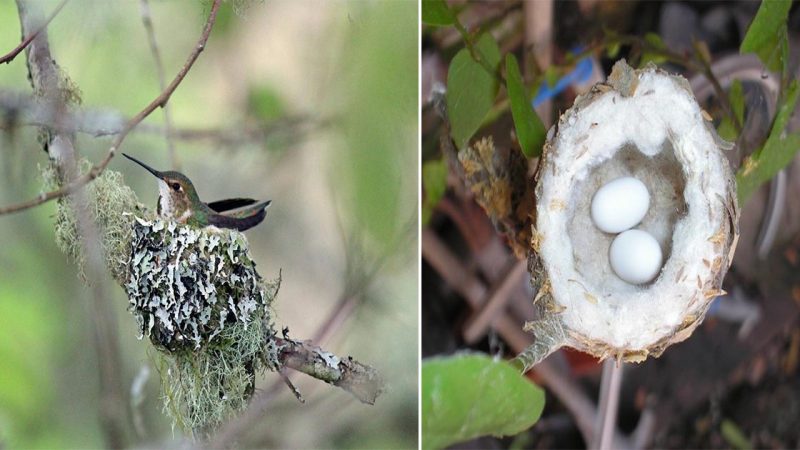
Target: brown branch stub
[(159, 101), (8, 57), (360, 380)]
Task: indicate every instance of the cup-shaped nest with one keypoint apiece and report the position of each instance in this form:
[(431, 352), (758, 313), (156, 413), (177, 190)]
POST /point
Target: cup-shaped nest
[(186, 285), (644, 124)]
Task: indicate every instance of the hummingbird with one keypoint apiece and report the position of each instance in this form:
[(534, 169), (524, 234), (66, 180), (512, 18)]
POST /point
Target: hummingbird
[(178, 200)]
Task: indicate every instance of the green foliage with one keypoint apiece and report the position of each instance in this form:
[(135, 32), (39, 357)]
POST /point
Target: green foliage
[(472, 395), (767, 36), (530, 129), (264, 103), (612, 50), (777, 152), (472, 88), (551, 75), (652, 54), (434, 179), (436, 12), (726, 129), (379, 118), (734, 435), (29, 322), (109, 198)]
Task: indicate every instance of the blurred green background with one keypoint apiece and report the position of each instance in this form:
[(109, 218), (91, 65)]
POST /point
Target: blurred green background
[(335, 82)]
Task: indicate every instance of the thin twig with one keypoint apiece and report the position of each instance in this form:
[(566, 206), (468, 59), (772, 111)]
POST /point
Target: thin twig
[(7, 58), (606, 423), (159, 101), (162, 83)]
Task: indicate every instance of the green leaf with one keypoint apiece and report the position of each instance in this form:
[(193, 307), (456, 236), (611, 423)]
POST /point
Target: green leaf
[(471, 89), (777, 152), (436, 12), (264, 103), (551, 76), (613, 50), (652, 54), (530, 129), (734, 435), (767, 36), (434, 180), (726, 129), (471, 395)]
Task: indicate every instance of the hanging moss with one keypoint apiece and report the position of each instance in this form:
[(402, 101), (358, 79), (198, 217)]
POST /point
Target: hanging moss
[(201, 389), (109, 198)]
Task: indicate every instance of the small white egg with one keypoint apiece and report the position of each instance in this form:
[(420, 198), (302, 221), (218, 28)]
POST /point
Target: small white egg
[(635, 256), (620, 204)]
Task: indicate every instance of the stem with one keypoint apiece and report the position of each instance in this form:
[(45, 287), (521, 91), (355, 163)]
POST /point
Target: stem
[(550, 336), (7, 58), (162, 83)]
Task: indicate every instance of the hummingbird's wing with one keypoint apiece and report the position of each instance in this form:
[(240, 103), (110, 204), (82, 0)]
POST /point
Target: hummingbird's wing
[(230, 203), (243, 219)]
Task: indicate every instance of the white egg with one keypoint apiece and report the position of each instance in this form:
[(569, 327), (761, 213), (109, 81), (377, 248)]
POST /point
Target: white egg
[(620, 205), (635, 256)]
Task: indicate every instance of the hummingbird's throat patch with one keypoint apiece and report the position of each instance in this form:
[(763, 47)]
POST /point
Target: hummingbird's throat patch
[(164, 200)]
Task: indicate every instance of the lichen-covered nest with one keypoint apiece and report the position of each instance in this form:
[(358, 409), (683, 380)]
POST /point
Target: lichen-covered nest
[(196, 294), (646, 124), (186, 285)]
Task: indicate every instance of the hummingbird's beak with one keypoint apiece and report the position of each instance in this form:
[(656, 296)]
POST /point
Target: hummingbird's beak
[(149, 169)]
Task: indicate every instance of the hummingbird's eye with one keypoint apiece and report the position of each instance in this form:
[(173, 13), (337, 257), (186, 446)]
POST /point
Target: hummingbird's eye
[(176, 186)]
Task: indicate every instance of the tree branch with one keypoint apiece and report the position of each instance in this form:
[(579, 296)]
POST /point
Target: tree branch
[(23, 110), (362, 381), (159, 101), (8, 57), (162, 84), (45, 78)]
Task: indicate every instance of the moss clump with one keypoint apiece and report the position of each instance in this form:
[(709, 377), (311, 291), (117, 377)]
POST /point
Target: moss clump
[(108, 199), (203, 388)]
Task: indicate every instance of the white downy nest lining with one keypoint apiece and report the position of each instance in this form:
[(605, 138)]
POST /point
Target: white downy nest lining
[(653, 130)]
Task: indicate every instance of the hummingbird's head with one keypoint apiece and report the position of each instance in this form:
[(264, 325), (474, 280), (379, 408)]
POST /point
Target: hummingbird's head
[(176, 192)]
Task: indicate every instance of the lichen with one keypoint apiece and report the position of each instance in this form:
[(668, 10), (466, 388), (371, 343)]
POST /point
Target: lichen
[(186, 284), (108, 198)]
